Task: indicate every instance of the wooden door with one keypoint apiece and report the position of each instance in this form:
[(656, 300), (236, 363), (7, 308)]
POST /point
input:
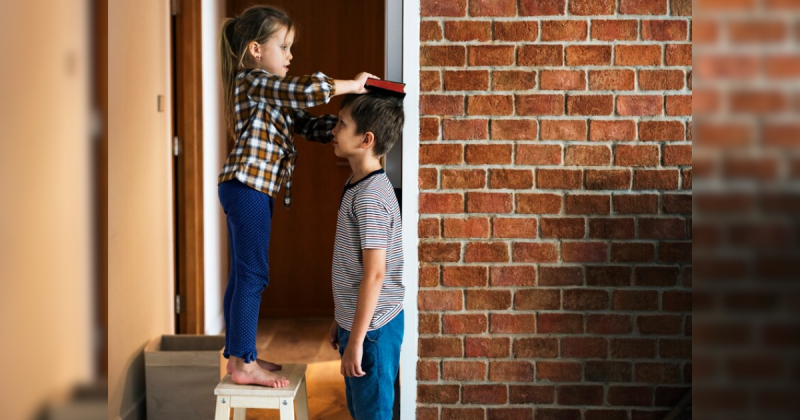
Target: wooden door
[(339, 38)]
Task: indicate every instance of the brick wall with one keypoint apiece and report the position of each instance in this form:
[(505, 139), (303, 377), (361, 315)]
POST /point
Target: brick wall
[(555, 209)]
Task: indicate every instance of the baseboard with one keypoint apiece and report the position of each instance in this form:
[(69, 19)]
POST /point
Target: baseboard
[(138, 411)]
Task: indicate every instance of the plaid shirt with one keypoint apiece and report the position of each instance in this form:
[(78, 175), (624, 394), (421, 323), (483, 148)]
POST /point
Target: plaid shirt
[(268, 112)]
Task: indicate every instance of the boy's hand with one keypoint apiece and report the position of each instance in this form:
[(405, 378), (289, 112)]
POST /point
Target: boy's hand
[(334, 335), (361, 80), (351, 360)]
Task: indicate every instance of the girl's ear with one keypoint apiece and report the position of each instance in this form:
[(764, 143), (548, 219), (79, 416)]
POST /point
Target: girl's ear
[(368, 141), (255, 50)]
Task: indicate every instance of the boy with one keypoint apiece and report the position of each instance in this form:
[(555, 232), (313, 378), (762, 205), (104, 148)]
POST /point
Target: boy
[(368, 257)]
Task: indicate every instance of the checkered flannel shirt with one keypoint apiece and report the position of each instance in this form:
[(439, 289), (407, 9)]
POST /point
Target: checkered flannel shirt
[(268, 112)]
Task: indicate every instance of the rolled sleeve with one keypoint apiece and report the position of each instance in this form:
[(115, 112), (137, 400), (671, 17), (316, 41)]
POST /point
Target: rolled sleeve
[(294, 92)]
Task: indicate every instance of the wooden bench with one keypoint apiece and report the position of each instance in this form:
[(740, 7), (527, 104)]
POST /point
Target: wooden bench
[(241, 397)]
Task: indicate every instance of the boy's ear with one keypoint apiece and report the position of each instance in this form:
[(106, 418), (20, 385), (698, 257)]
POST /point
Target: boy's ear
[(368, 140)]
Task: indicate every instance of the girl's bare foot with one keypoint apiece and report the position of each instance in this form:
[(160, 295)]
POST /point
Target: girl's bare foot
[(272, 367), (253, 374)]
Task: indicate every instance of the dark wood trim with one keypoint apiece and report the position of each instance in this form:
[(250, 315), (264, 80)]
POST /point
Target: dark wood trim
[(101, 161), (189, 168)]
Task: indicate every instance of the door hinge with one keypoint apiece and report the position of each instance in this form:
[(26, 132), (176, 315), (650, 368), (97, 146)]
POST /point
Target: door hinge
[(178, 304), (175, 5), (176, 146)]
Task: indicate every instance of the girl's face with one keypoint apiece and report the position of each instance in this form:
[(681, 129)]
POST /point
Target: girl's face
[(275, 55)]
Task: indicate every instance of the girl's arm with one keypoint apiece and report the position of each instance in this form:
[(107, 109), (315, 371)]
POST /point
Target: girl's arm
[(316, 129), (298, 92)]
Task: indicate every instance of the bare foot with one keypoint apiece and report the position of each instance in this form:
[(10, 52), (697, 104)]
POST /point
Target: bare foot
[(253, 374), (272, 367)]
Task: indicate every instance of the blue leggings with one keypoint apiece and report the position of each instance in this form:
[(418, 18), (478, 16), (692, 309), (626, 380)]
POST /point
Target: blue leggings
[(249, 215)]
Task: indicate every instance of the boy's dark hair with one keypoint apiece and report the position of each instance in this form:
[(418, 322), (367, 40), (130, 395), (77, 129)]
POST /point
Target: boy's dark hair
[(381, 114)]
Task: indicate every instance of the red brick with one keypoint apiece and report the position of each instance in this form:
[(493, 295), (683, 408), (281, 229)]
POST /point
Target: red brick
[(588, 156), (537, 299), (661, 80), (564, 30), (608, 324), (474, 227), (612, 228), (430, 203), (560, 276), (429, 228), (592, 7), (437, 300), (512, 324), (659, 324), (637, 55), (677, 203), (463, 179), (615, 30), (429, 323), (563, 80), (514, 228), (488, 154), (679, 55), (635, 204), (490, 105), (584, 252), (427, 371), (428, 129), (705, 30), (428, 178), (429, 276), (541, 7), (611, 80), (677, 301), (639, 105), (579, 395), (510, 414), (632, 252), (516, 31), (538, 154), (466, 276), (661, 131), (510, 371), (585, 300), (590, 104), (679, 105), (439, 252), (664, 30), (538, 203), (489, 202), (633, 348), (543, 413), (643, 7), (485, 394), (429, 81), (430, 31), (559, 371), (662, 228), (757, 31), (588, 55), (514, 130), (458, 413), (540, 104), (441, 104), (466, 80), (540, 55), (440, 347), (465, 129), (491, 55), (564, 130), (614, 179), (514, 80), (563, 228), (612, 130), (584, 347), (558, 179), (438, 394), (488, 347), (442, 55), (469, 30), (443, 8), (657, 373), (681, 7), (534, 252), (492, 7), (676, 349), (631, 396), (610, 276), (560, 323), (635, 300), (463, 371), (464, 324), (513, 276), (536, 348), (625, 155), (747, 101), (486, 252), (511, 178), (655, 179), (588, 204), (598, 371)]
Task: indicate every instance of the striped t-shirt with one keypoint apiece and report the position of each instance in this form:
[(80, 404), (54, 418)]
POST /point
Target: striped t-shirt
[(369, 218)]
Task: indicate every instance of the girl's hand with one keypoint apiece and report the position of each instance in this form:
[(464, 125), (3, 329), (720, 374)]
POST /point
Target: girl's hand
[(334, 335), (361, 80), (351, 361)]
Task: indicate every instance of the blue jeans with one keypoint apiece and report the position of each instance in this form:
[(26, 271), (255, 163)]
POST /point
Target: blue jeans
[(249, 216), (371, 396)]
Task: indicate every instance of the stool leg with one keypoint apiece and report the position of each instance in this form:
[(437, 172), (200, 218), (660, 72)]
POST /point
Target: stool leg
[(223, 408), (302, 401), (239, 413), (287, 408)]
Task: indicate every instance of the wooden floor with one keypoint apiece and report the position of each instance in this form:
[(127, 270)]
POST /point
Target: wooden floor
[(305, 340)]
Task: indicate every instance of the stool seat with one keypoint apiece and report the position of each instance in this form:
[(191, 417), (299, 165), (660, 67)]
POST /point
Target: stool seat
[(241, 397)]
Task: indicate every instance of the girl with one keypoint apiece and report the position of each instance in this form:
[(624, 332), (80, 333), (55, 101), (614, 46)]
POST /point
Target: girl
[(263, 109)]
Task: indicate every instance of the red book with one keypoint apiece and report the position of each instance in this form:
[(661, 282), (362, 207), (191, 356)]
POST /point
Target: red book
[(395, 89)]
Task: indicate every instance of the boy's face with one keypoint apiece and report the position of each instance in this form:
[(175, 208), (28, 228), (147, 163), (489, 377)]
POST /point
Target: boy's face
[(346, 143)]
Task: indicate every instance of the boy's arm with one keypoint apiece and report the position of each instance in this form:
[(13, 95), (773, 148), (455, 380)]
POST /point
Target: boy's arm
[(368, 293), (316, 129)]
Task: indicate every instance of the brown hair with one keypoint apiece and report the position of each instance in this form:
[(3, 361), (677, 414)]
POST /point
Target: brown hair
[(256, 23), (381, 114)]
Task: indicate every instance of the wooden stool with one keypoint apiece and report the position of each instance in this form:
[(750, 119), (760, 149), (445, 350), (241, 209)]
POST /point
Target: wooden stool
[(241, 397)]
